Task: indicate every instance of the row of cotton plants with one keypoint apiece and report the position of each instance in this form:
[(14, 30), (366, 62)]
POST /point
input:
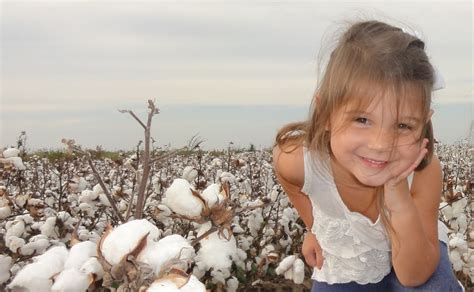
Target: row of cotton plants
[(236, 221), (457, 206), (210, 220)]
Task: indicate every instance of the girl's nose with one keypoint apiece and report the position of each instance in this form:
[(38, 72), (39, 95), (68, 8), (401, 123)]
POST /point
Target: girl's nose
[(380, 141)]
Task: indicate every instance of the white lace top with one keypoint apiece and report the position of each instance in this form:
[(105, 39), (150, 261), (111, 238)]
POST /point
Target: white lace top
[(354, 248)]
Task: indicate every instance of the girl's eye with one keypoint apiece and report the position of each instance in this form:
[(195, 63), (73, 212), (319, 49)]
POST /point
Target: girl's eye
[(362, 120), (403, 126)]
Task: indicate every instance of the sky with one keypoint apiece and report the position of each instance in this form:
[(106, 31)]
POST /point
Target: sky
[(229, 71)]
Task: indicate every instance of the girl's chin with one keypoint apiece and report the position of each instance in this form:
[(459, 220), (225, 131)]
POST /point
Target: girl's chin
[(374, 181)]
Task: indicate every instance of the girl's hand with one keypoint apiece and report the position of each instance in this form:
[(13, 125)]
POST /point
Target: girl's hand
[(396, 189), (311, 250)]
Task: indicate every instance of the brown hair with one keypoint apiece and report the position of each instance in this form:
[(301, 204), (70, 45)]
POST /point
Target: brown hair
[(370, 57)]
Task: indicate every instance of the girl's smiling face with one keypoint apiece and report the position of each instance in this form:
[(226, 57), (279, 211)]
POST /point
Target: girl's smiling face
[(370, 146)]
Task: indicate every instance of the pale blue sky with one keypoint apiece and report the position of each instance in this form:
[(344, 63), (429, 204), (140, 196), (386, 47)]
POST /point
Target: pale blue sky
[(228, 70)]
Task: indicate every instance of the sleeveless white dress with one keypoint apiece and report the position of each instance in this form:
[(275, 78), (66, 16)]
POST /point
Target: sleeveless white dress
[(354, 248)]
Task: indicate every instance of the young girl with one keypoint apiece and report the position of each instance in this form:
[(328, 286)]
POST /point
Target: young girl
[(347, 168)]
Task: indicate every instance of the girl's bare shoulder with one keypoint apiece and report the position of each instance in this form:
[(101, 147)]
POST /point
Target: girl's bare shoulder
[(288, 163)]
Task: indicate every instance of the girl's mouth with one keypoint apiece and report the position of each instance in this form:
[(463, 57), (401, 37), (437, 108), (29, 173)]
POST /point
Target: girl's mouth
[(374, 163)]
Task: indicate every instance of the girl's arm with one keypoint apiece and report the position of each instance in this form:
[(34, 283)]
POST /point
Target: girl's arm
[(289, 170), (414, 218)]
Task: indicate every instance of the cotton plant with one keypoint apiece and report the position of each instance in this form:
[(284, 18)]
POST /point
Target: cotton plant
[(216, 254), (143, 258), (38, 275), (6, 204), (9, 158)]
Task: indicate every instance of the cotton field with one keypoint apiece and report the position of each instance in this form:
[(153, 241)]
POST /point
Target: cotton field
[(174, 221)]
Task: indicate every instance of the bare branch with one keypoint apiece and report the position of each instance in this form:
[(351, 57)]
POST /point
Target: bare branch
[(134, 116), (106, 191), (146, 163), (205, 234)]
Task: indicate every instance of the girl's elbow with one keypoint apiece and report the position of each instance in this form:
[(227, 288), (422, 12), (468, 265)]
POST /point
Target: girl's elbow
[(420, 278), (413, 282)]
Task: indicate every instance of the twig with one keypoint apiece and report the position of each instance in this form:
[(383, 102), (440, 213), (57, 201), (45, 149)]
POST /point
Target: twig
[(197, 239), (104, 188), (134, 116), (146, 163)]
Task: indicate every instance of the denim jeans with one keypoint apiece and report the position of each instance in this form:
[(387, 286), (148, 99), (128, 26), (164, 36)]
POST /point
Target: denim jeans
[(442, 280)]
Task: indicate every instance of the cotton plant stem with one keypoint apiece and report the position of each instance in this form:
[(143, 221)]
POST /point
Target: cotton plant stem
[(146, 164), (106, 191)]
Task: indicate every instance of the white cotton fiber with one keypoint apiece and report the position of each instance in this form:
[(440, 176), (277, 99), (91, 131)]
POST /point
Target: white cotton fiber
[(114, 247), (179, 198), (171, 247), (37, 275), (70, 280), (285, 264)]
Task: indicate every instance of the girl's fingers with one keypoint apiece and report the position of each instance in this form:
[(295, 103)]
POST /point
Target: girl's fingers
[(319, 259), (311, 259), (415, 164)]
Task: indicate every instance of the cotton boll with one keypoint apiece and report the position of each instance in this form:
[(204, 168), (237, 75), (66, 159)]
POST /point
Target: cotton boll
[(114, 247), (77, 184), (227, 177), (122, 206), (457, 242), (199, 273), (83, 234), (5, 264), (459, 206), (49, 227), (219, 275), (455, 259), (88, 196), (97, 189), (5, 212), (298, 271), (93, 266), (245, 242), (34, 247), (462, 222), (215, 252), (49, 201), (104, 200), (237, 229), (189, 173), (15, 243), (255, 221), (20, 200), (14, 229), (10, 152), (232, 284), (266, 250), (37, 275), (179, 198), (286, 264), (168, 248), (285, 242), (70, 280), (79, 254), (193, 285), (273, 195), (164, 210), (17, 162), (163, 286), (212, 195), (88, 209), (288, 274)]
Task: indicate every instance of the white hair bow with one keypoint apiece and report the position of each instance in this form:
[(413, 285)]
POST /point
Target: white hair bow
[(438, 82)]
